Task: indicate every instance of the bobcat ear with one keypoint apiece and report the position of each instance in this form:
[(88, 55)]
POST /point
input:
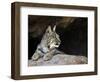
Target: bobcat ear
[(49, 29), (54, 28)]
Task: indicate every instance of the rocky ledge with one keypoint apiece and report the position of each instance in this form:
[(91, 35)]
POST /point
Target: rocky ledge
[(59, 60)]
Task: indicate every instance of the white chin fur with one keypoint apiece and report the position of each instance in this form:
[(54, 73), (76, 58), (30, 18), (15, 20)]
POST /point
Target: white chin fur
[(53, 46)]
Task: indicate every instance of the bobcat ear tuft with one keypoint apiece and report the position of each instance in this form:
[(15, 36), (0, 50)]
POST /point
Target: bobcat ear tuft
[(54, 28), (49, 29)]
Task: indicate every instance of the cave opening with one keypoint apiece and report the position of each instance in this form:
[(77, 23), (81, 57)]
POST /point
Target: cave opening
[(72, 31)]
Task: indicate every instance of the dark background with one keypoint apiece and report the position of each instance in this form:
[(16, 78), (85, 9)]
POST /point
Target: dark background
[(72, 32)]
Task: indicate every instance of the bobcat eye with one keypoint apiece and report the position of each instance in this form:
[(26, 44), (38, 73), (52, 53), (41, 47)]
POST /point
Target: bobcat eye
[(48, 46)]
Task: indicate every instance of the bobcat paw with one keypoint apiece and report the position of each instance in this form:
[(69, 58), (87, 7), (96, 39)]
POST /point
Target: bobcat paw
[(47, 57), (35, 57)]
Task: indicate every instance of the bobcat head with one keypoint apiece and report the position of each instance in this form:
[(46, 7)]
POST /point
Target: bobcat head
[(52, 38)]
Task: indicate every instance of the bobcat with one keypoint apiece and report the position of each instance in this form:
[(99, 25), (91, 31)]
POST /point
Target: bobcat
[(48, 45), (47, 51)]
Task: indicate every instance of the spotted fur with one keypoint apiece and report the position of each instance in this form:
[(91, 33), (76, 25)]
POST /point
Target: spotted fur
[(48, 45)]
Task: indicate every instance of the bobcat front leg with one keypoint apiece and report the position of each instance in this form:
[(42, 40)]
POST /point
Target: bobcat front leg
[(36, 56), (47, 57)]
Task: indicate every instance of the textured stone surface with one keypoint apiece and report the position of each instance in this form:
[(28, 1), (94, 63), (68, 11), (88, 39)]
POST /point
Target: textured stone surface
[(60, 59)]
